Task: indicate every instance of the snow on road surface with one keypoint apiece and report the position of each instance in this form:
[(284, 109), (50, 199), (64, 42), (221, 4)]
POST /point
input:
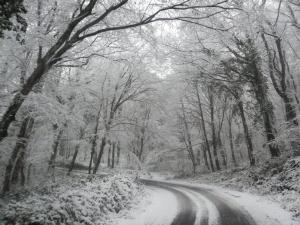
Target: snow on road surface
[(262, 210), (179, 203)]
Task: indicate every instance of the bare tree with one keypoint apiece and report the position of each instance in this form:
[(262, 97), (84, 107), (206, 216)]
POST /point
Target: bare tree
[(128, 88), (84, 24)]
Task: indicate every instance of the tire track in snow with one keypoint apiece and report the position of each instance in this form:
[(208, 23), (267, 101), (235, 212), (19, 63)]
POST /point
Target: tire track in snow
[(187, 208), (229, 213)]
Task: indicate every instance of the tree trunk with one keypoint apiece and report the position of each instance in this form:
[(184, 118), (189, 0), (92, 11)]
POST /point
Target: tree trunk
[(16, 161), (103, 143), (140, 153), (28, 173), (188, 140), (203, 146), (94, 140), (74, 158), (223, 153), (231, 141), (19, 168), (54, 151), (274, 150), (118, 153), (204, 130), (246, 133), (113, 155), (198, 157), (109, 156), (212, 123), (9, 115), (266, 109)]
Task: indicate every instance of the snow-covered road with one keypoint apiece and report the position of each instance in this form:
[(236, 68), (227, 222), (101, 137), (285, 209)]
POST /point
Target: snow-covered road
[(177, 203), (201, 206)]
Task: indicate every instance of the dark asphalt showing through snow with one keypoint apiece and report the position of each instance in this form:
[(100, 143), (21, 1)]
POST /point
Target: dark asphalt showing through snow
[(230, 213)]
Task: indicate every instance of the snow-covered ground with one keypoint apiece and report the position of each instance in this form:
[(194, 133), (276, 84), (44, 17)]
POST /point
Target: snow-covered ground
[(158, 207), (72, 201), (264, 211)]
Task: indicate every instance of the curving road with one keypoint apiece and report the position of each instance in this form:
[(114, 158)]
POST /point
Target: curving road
[(202, 206)]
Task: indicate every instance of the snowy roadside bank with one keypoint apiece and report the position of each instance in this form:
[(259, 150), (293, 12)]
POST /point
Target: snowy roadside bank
[(157, 207), (275, 182), (77, 200)]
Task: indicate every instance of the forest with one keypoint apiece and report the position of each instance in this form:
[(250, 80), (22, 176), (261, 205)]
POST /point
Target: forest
[(99, 99)]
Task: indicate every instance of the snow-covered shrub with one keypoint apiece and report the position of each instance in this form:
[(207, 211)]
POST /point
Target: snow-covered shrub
[(87, 201)]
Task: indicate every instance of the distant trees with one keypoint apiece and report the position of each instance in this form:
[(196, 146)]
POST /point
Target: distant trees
[(141, 131), (127, 88), (245, 67)]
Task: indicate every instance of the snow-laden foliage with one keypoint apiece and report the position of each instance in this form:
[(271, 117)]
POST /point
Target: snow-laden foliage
[(79, 200)]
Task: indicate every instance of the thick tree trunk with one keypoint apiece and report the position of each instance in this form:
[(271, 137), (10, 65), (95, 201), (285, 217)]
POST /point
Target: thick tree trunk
[(9, 115), (51, 57), (247, 134), (16, 161), (266, 109)]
